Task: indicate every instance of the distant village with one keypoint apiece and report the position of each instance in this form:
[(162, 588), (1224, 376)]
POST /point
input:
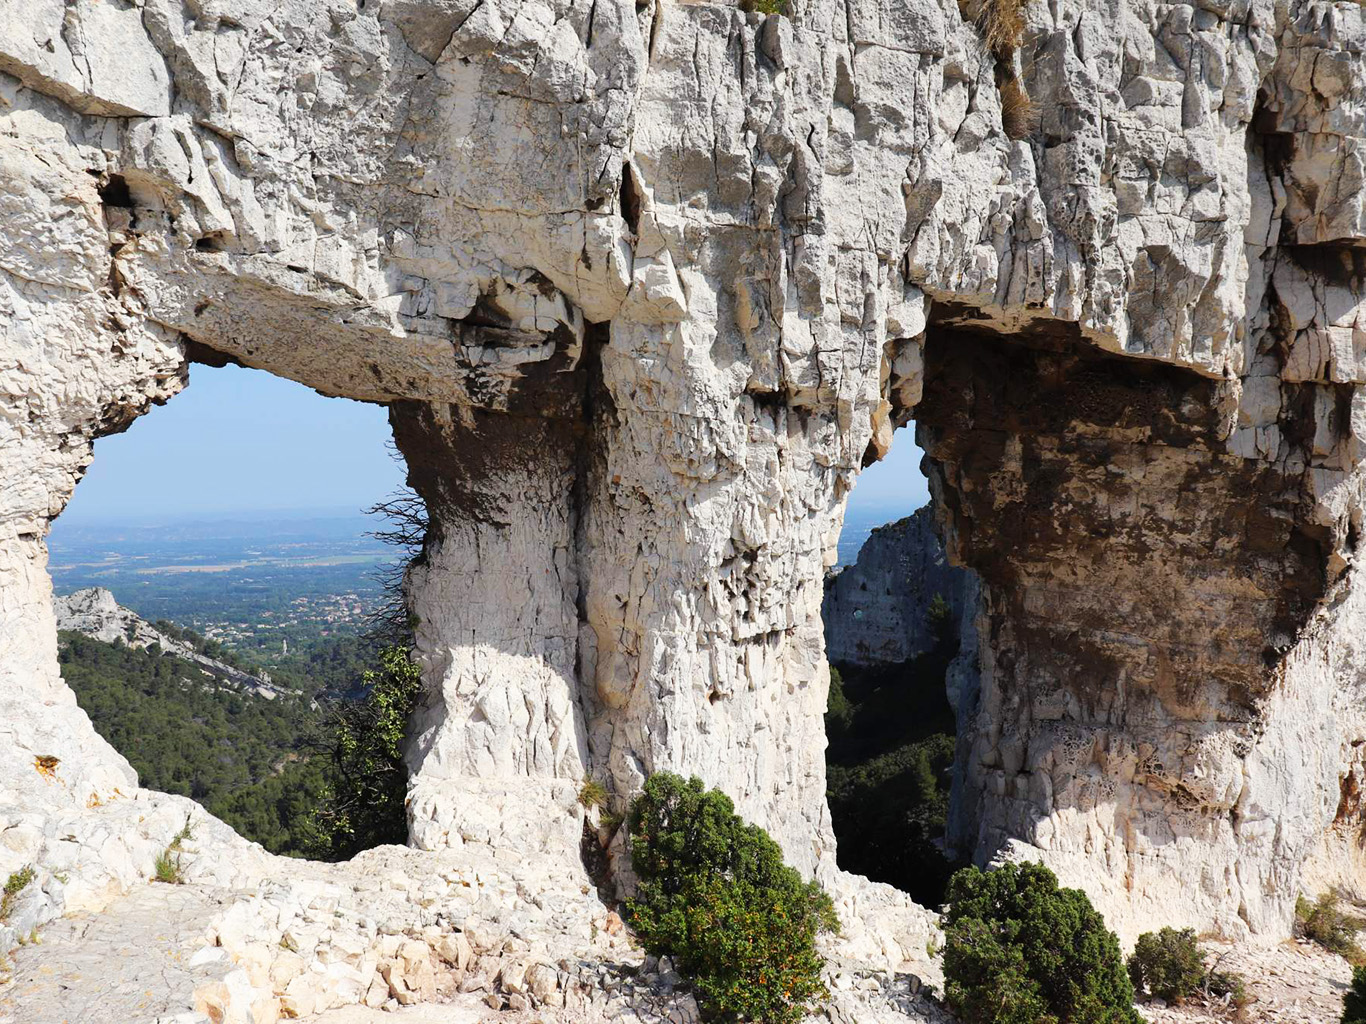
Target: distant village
[(323, 615)]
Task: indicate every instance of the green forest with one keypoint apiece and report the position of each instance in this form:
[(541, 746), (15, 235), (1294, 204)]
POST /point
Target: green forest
[(888, 765), (320, 774), (264, 766)]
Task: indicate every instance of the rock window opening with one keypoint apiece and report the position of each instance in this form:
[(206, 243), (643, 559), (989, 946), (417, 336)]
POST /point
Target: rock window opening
[(226, 607), (892, 614)]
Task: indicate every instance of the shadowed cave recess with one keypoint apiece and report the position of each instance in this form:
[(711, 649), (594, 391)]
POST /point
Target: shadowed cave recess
[(1086, 491)]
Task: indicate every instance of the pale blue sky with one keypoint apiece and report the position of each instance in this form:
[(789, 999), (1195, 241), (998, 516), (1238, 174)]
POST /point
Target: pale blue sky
[(895, 485), (240, 440), (245, 441)]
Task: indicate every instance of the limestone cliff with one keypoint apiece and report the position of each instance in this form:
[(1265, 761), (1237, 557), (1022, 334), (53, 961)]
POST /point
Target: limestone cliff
[(877, 610), (644, 283)]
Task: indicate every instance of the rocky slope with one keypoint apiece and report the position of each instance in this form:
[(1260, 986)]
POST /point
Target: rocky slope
[(94, 612), (644, 284)]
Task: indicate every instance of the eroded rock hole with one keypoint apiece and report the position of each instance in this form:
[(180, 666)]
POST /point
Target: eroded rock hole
[(228, 614), (212, 242), (114, 191), (630, 199), (893, 614), (1087, 490)]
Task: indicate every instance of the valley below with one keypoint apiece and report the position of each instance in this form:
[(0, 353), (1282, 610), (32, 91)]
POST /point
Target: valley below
[(259, 586), (648, 695)]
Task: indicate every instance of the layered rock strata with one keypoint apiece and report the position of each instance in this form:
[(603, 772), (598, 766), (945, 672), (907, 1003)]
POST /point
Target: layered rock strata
[(644, 284)]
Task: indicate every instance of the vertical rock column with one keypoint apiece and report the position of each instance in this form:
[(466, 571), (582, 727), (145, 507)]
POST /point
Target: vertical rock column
[(496, 751), (76, 361), (704, 530)]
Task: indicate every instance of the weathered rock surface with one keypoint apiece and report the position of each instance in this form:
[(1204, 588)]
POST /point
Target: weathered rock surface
[(643, 284), (877, 610), (393, 928), (94, 612)]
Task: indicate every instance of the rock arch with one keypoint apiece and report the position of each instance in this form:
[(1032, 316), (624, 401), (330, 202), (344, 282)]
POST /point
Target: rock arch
[(642, 284)]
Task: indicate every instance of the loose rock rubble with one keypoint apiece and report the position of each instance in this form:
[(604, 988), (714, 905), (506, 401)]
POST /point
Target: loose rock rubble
[(391, 928)]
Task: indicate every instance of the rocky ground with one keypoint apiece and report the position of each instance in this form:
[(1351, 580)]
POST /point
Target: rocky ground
[(483, 937), (154, 956), (1294, 982)]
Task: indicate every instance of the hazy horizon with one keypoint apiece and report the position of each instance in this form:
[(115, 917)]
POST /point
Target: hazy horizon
[(245, 445)]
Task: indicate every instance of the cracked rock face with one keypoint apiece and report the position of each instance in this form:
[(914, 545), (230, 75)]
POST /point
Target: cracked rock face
[(877, 609), (645, 283)]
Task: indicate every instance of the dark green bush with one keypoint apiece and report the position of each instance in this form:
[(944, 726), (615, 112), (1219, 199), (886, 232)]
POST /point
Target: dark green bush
[(1021, 950), (1354, 1001), (362, 804), (1168, 964), (1324, 922), (716, 896)]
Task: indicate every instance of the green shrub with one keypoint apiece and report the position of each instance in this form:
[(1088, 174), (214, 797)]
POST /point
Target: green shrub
[(1021, 950), (168, 867), (1168, 964), (14, 885), (363, 805), (1325, 923), (765, 6), (1354, 1001), (716, 896)]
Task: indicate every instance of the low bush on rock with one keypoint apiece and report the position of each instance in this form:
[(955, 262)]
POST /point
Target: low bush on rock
[(14, 885), (169, 866), (1021, 950), (1170, 964), (1327, 924), (592, 794), (716, 896)]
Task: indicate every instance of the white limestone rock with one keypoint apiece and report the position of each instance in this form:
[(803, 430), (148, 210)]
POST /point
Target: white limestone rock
[(643, 285)]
